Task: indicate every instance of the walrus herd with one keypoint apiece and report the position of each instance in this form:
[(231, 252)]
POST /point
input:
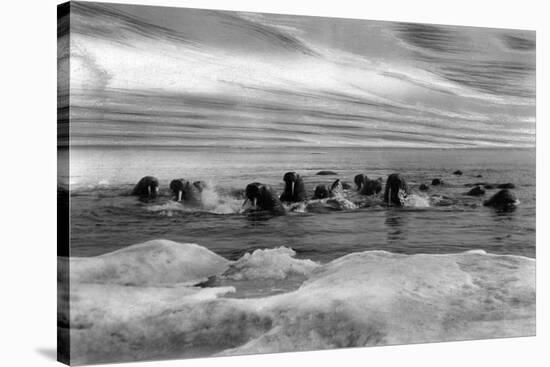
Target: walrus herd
[(262, 197)]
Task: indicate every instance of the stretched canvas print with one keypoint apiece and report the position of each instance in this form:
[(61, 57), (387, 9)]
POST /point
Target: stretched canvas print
[(234, 183)]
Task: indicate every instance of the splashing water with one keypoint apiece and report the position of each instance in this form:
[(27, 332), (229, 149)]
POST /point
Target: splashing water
[(416, 201), (210, 202), (214, 202)]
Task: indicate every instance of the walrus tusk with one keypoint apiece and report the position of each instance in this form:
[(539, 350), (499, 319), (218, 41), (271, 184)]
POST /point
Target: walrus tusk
[(149, 190), (245, 202), (254, 202), (292, 189), (179, 195), (389, 197)]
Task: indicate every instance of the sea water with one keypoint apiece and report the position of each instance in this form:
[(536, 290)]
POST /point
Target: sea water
[(442, 220), (162, 279)]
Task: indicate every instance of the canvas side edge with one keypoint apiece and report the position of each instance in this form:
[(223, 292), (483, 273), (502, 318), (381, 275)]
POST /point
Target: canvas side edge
[(63, 197)]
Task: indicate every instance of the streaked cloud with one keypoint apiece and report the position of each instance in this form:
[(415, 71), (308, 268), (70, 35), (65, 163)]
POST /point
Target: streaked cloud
[(187, 77)]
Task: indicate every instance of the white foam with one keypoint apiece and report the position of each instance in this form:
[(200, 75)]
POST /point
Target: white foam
[(416, 201), (342, 203), (168, 208), (300, 207), (213, 202)]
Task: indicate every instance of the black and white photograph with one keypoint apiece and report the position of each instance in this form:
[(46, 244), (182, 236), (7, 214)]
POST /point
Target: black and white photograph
[(235, 183)]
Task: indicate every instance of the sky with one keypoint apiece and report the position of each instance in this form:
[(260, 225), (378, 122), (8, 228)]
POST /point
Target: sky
[(158, 76)]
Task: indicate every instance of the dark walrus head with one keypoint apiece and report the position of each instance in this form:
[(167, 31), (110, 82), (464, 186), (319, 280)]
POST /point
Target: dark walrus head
[(396, 190), (290, 177), (326, 191), (371, 187), (502, 200), (185, 190), (294, 188), (147, 187), (359, 180), (476, 191), (321, 192), (262, 197), (252, 191)]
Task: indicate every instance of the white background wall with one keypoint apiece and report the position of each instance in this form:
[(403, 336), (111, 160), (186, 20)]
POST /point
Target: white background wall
[(28, 171)]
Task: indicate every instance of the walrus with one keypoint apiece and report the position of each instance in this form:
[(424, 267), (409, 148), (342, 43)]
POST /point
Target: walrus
[(327, 191), (371, 187), (263, 197), (295, 190), (326, 173), (359, 179), (366, 186), (476, 191), (147, 188), (396, 190), (321, 192), (504, 199), (186, 191)]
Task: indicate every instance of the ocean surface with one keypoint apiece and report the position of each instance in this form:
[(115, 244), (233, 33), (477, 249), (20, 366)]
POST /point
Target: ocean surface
[(105, 218)]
